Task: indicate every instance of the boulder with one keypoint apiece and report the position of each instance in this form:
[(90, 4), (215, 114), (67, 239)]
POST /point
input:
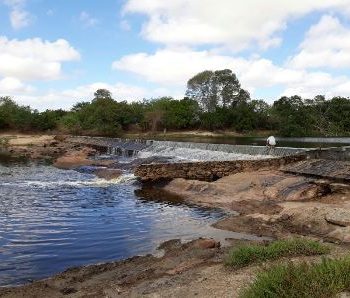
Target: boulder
[(338, 216), (341, 234), (206, 243), (108, 174)]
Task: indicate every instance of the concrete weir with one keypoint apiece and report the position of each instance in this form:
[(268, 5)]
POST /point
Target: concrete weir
[(118, 146), (211, 170), (224, 159)]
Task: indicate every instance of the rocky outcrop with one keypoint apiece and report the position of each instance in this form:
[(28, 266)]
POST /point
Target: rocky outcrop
[(338, 216), (322, 168), (208, 171), (77, 158)]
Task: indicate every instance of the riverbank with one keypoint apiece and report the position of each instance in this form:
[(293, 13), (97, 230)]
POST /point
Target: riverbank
[(185, 270), (196, 133), (270, 203)]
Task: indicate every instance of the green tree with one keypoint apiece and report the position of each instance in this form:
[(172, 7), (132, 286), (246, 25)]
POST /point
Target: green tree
[(102, 94), (212, 89)]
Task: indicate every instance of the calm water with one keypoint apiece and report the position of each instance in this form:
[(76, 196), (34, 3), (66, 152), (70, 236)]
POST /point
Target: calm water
[(52, 219)]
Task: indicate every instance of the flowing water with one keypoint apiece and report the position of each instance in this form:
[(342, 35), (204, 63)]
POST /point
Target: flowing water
[(52, 219), (302, 142)]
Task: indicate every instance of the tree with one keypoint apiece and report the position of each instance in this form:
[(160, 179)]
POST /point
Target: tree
[(293, 117), (212, 89), (13, 116), (102, 94)]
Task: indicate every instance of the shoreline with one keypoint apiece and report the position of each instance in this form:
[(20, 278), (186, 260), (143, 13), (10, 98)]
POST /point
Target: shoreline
[(270, 203)]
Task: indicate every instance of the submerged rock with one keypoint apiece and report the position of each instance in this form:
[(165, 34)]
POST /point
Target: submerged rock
[(108, 174)]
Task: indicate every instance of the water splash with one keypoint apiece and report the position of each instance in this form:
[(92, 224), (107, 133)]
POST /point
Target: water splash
[(194, 154)]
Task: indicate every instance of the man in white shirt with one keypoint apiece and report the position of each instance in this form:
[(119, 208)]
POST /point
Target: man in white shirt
[(271, 142)]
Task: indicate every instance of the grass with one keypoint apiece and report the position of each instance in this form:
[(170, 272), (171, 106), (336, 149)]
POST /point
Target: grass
[(4, 142), (319, 280), (248, 254)]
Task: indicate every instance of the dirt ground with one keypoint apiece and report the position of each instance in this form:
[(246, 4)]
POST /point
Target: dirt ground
[(263, 203)]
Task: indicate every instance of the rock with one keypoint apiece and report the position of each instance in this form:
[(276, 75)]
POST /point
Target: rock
[(206, 243), (108, 174), (338, 216), (53, 144), (340, 188), (60, 138), (342, 234), (77, 158)]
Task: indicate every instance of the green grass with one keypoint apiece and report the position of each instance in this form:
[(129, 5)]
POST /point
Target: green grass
[(319, 280), (248, 254), (4, 142)]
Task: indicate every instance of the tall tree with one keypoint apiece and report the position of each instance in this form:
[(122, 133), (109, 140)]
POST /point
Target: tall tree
[(212, 89), (102, 94)]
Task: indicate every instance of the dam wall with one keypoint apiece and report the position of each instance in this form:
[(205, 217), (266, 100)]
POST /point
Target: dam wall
[(129, 147), (210, 170), (333, 153)]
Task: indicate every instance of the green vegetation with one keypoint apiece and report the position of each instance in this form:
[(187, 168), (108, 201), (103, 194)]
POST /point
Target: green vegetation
[(4, 142), (248, 254), (214, 100), (325, 279)]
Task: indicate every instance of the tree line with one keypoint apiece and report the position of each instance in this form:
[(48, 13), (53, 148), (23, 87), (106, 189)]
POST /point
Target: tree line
[(214, 100)]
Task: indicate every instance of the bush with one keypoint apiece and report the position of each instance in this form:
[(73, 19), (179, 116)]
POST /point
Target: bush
[(248, 254), (325, 279)]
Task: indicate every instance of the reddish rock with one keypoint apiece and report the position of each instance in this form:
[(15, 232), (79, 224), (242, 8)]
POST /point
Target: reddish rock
[(206, 243), (108, 174)]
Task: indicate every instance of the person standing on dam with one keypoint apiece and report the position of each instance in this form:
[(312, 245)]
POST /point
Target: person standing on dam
[(271, 142)]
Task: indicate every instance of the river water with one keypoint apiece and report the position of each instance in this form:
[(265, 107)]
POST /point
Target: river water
[(52, 219)]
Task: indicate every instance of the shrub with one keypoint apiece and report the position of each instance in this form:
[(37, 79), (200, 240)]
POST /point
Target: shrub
[(248, 254), (325, 279)]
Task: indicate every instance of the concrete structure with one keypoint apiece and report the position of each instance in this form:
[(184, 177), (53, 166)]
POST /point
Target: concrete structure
[(208, 171)]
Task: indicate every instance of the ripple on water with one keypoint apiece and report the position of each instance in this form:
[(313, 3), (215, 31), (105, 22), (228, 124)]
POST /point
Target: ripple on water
[(52, 219)]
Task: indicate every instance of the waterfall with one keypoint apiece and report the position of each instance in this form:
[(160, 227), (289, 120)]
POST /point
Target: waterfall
[(184, 150)]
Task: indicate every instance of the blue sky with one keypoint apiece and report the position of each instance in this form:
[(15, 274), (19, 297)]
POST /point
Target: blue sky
[(56, 53)]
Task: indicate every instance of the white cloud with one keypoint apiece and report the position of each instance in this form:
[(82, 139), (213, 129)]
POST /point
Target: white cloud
[(174, 67), (10, 85), (87, 20), (19, 17), (120, 91), (326, 44), (34, 59), (232, 24), (55, 99)]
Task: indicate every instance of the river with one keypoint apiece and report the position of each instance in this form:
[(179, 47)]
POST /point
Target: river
[(52, 219)]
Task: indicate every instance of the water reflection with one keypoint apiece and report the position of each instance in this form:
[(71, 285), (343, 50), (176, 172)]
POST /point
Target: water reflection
[(52, 219)]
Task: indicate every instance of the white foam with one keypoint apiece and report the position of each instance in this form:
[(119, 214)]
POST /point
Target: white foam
[(193, 154), (98, 182)]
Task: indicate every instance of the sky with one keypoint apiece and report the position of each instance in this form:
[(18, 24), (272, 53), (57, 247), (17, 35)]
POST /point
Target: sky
[(54, 54)]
